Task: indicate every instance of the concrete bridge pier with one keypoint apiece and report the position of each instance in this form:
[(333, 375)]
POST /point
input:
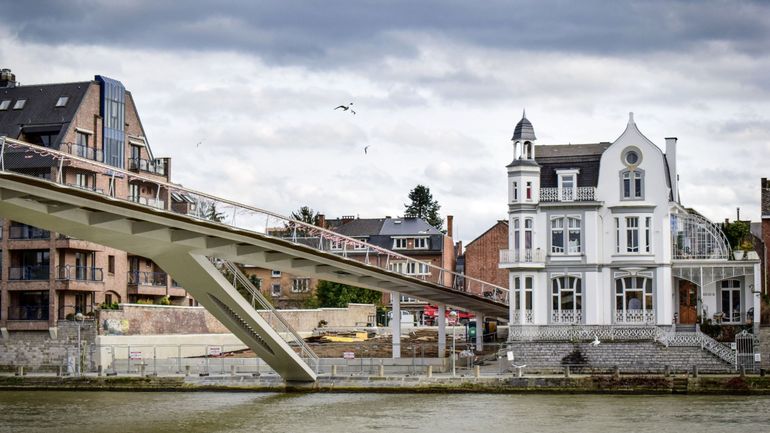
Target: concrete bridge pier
[(479, 332), (441, 330), (395, 323)]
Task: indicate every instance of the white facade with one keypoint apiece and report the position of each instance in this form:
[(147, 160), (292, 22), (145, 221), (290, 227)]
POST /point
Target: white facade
[(598, 237)]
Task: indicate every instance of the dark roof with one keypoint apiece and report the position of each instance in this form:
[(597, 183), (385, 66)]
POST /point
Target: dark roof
[(524, 130), (407, 226), (585, 157), (358, 227), (40, 113)]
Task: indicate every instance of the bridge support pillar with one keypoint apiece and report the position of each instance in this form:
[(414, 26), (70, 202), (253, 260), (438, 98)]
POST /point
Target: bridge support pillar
[(479, 332), (395, 323), (441, 330)]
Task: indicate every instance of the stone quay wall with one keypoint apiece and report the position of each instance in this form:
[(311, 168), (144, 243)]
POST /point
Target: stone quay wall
[(45, 350)]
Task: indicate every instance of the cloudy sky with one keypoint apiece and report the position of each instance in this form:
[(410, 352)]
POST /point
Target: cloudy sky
[(437, 85)]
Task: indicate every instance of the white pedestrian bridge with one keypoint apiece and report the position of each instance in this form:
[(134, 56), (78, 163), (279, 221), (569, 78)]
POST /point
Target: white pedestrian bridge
[(177, 231)]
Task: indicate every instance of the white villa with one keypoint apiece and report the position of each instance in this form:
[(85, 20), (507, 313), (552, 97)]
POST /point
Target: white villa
[(598, 235)]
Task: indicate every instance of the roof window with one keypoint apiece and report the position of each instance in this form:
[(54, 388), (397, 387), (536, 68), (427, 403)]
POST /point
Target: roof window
[(19, 104), (62, 101), (4, 104)]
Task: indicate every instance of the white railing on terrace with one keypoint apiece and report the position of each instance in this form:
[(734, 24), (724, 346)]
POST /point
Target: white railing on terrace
[(699, 339), (635, 316), (509, 257), (567, 316), (583, 332), (46, 164), (581, 193), (528, 317)]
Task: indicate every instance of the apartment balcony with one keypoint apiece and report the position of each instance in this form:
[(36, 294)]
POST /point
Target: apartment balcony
[(635, 317), (581, 193), (525, 258), (148, 201), (86, 188), (64, 241), (567, 317), (694, 237), (68, 312), (26, 233), (155, 166), (28, 312), (147, 283), (29, 273), (79, 278), (82, 151), (176, 289)]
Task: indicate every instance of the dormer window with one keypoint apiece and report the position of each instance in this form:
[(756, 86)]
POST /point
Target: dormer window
[(399, 244), (567, 184), (19, 104), (5, 104), (421, 243), (62, 101)]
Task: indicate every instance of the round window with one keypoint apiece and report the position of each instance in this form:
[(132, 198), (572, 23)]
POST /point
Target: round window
[(632, 157)]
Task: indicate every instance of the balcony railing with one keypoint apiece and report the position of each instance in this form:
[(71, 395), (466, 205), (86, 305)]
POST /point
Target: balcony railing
[(82, 151), (79, 273), (86, 187), (68, 312), (27, 232), (38, 272), (154, 166), (148, 201), (567, 316), (28, 312), (522, 256), (581, 193), (635, 316), (528, 317), (136, 278)]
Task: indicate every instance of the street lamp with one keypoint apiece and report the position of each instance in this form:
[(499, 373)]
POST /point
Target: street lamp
[(453, 315), (79, 320)]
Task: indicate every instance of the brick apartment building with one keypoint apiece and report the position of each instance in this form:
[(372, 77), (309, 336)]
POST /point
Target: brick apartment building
[(763, 234), (47, 276), (482, 255)]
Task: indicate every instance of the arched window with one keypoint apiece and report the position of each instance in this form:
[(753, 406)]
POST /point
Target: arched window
[(632, 184), (567, 299), (634, 300)]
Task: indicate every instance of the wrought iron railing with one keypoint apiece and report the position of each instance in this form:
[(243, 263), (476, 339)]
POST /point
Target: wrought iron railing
[(27, 232), (79, 273), (82, 151), (136, 278), (522, 256), (37, 272), (148, 201), (635, 316), (28, 312), (581, 193), (694, 237), (215, 210), (154, 166), (269, 313), (69, 312)]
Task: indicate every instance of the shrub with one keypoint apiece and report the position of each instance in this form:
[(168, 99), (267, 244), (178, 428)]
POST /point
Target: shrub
[(164, 301)]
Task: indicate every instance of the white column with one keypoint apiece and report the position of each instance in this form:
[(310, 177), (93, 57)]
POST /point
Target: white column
[(664, 299), (441, 330), (395, 323), (757, 289), (523, 299), (479, 332)]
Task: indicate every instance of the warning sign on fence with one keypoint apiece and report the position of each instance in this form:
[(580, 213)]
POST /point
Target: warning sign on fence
[(349, 355), (135, 356), (215, 350)]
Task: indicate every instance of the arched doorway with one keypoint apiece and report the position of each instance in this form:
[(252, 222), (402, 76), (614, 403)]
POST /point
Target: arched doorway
[(688, 302)]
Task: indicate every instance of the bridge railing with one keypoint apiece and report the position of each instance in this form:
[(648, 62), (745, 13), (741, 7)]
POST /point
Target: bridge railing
[(56, 166)]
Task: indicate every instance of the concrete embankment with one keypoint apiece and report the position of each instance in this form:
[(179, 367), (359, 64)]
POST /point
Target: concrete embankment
[(594, 384)]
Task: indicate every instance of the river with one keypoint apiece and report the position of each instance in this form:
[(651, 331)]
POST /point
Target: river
[(116, 412)]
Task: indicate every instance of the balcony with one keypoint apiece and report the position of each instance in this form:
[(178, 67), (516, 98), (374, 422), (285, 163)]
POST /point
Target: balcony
[(158, 279), (567, 317), (25, 232), (82, 151), (68, 312), (522, 258), (79, 273), (635, 317), (153, 166), (28, 312), (86, 188), (581, 193), (693, 237), (148, 201), (29, 273)]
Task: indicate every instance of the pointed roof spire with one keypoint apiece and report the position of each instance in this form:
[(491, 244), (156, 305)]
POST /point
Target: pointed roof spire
[(631, 117), (524, 129)]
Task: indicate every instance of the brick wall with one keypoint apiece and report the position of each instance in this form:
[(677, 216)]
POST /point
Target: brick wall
[(37, 350), (482, 255)]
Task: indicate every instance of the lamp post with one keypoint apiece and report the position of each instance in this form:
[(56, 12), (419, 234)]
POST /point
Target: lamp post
[(79, 320), (453, 315)]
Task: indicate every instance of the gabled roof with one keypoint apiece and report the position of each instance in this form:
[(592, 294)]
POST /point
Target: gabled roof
[(407, 227), (40, 113), (357, 227), (388, 226), (585, 157)]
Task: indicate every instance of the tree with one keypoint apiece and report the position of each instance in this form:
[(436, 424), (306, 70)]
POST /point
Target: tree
[(214, 215), (306, 215), (423, 206), (336, 295), (738, 233)]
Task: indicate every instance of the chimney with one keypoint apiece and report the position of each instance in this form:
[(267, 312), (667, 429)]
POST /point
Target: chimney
[(321, 221), (671, 158), (449, 224), (7, 78)]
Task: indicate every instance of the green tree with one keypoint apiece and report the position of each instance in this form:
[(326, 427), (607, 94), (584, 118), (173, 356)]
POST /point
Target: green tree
[(306, 215), (335, 295), (424, 206), (214, 215), (738, 234)]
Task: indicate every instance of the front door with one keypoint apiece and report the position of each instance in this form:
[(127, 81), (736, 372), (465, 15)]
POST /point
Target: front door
[(688, 302)]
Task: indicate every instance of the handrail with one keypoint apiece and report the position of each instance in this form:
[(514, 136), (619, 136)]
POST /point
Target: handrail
[(226, 212), (267, 307), (698, 339)]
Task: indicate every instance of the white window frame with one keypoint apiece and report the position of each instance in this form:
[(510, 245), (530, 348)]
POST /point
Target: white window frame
[(559, 290), (62, 101), (633, 240), (360, 247), (635, 179), (567, 193), (20, 103), (300, 285), (421, 243), (275, 274), (625, 283), (644, 234), (515, 191), (726, 288), (4, 104), (529, 193), (273, 291), (400, 243)]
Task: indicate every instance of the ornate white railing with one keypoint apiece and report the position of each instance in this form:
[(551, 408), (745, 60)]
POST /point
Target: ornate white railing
[(635, 316), (698, 339), (582, 333), (567, 316), (40, 162), (509, 257), (581, 193), (528, 317)]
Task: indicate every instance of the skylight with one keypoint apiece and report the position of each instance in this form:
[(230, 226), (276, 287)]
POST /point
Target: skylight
[(4, 104), (19, 104), (62, 101)]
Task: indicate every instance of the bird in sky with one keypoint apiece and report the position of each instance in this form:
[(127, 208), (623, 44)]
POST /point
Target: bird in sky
[(199, 143), (346, 108), (366, 150)]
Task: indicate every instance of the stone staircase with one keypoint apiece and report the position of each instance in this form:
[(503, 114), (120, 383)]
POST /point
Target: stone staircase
[(642, 356)]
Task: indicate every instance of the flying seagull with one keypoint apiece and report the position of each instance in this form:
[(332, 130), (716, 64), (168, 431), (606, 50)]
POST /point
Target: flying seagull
[(199, 143), (346, 108), (366, 149)]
